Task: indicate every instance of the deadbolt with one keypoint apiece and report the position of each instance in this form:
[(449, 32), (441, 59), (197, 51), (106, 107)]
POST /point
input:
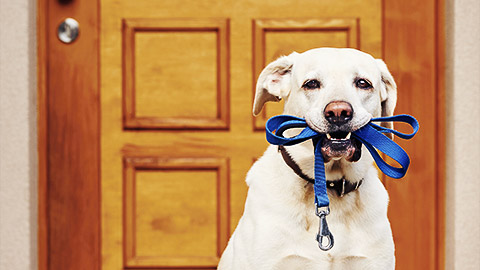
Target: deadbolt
[(68, 30)]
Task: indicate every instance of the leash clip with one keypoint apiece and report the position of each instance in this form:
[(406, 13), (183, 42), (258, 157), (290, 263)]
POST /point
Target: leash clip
[(323, 231)]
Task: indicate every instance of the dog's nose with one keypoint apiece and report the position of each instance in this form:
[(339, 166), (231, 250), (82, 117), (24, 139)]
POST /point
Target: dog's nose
[(338, 112)]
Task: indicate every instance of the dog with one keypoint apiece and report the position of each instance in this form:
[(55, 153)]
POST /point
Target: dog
[(337, 91)]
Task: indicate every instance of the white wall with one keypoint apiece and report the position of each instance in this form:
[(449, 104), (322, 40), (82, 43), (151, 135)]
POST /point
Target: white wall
[(18, 207), (463, 134), (18, 163)]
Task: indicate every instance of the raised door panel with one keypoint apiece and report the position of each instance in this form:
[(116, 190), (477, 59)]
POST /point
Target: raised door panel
[(176, 210), (175, 73)]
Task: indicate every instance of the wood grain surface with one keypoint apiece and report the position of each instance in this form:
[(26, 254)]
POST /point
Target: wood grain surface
[(69, 139), (114, 151), (413, 51)]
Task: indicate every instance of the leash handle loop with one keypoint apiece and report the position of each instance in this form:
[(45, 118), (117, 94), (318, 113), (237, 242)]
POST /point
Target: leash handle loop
[(404, 118), (372, 137), (278, 124)]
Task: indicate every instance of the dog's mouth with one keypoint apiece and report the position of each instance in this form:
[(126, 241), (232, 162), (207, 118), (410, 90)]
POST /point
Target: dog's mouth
[(341, 144)]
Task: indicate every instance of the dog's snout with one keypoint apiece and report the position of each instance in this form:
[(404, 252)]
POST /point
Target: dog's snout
[(338, 112)]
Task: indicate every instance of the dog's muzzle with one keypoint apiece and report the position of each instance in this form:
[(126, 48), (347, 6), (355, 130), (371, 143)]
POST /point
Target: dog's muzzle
[(338, 142)]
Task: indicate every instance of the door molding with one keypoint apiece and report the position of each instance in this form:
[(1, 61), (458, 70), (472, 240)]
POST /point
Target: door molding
[(69, 235)]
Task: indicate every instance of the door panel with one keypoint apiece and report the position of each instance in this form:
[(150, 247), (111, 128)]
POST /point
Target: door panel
[(160, 59), (169, 220)]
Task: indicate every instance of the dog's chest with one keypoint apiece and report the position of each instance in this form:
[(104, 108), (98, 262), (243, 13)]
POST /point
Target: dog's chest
[(343, 209), (303, 252), (327, 262), (350, 240)]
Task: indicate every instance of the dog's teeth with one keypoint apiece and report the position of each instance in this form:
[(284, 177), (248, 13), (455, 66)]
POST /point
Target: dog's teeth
[(329, 136), (348, 135)]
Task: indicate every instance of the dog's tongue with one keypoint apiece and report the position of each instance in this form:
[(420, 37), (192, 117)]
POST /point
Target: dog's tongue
[(337, 149)]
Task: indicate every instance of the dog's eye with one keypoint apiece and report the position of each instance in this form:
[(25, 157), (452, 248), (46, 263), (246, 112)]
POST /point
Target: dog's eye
[(311, 84), (363, 84)]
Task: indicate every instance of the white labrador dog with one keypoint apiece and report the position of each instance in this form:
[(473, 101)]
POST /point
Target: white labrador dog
[(337, 91)]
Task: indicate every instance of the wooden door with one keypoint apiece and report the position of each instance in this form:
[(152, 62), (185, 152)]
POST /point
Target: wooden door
[(178, 135), (164, 136)]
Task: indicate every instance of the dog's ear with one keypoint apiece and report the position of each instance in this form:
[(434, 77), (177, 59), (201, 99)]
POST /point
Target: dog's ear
[(388, 92), (273, 84)]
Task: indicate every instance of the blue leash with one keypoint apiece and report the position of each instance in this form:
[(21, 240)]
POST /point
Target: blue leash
[(371, 135)]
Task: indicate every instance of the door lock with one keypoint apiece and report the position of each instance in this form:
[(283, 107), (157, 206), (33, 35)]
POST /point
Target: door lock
[(68, 30)]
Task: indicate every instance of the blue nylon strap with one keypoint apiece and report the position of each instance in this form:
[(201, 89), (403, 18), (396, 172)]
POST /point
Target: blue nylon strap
[(405, 118), (320, 185), (371, 135)]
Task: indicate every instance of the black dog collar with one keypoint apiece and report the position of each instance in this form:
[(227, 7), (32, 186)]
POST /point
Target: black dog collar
[(341, 186)]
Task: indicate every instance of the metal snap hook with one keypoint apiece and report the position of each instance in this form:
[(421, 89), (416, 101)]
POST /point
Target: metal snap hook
[(323, 231)]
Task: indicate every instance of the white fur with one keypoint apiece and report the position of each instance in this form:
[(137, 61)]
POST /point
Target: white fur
[(279, 225)]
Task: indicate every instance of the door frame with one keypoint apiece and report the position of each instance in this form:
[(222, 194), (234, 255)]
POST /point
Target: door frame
[(69, 232), (68, 137)]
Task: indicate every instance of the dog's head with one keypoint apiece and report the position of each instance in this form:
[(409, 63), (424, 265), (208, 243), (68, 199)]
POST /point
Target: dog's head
[(337, 91)]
